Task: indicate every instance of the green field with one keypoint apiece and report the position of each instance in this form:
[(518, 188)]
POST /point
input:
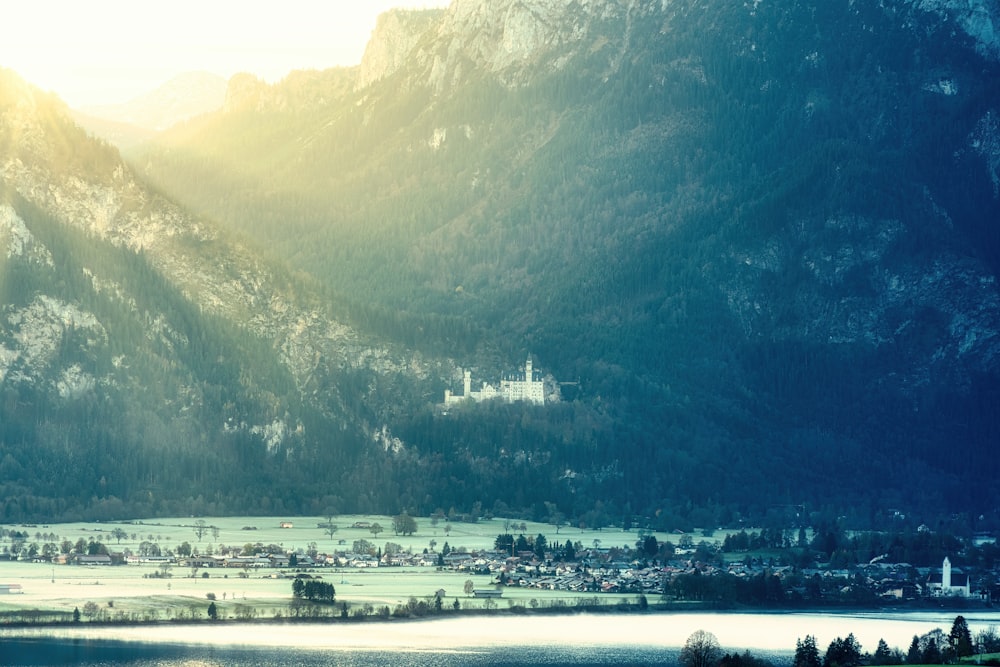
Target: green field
[(134, 592)]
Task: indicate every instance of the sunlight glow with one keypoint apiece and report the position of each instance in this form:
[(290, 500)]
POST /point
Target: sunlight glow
[(108, 51)]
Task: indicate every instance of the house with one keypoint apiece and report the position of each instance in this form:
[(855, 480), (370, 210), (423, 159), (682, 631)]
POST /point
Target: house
[(286, 524), (99, 559), (487, 593), (948, 583), (10, 589)]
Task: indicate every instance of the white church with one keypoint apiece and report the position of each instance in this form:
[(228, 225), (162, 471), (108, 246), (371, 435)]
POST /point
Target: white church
[(511, 389), (948, 583)]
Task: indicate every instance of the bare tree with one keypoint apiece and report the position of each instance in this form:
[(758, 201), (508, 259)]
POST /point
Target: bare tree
[(200, 528), (700, 650), (329, 527)]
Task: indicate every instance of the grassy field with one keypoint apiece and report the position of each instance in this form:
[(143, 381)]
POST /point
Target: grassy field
[(134, 591)]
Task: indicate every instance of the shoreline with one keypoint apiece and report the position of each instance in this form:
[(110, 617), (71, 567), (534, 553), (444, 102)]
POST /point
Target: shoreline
[(336, 616), (759, 634)]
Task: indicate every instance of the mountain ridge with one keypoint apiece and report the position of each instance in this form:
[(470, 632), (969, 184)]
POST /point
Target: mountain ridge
[(766, 257)]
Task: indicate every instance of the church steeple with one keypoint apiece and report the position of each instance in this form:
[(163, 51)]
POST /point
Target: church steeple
[(946, 575)]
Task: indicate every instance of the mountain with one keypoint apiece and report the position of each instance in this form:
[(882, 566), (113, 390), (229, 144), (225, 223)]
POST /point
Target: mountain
[(758, 240), (128, 123)]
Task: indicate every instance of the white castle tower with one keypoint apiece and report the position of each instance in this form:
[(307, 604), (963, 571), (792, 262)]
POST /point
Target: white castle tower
[(946, 575)]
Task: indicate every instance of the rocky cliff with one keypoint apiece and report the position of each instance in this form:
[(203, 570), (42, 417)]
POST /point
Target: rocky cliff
[(757, 239)]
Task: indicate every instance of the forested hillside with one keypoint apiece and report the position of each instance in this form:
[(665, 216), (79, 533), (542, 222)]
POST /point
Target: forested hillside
[(761, 237)]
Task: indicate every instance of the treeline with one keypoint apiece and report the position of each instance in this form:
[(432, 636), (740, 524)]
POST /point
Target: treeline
[(314, 590)]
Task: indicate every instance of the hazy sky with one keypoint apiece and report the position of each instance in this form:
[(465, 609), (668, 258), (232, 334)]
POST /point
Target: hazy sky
[(104, 51)]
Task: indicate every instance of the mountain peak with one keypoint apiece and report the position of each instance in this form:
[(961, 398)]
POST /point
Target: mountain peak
[(186, 95), (396, 33), (503, 37)]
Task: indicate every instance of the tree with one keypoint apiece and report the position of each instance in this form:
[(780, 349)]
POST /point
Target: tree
[(650, 546), (330, 529), (213, 612), (960, 639), (375, 529), (883, 655), (843, 653), (200, 528), (76, 614), (541, 544), (90, 609), (988, 640), (744, 659), (931, 654), (468, 587), (700, 650), (119, 534), (404, 524), (914, 656), (505, 543), (314, 590), (298, 588), (806, 653)]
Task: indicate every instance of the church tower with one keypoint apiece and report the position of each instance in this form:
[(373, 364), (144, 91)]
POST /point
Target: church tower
[(527, 370), (946, 575)]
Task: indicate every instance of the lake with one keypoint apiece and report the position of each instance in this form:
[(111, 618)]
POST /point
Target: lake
[(585, 639)]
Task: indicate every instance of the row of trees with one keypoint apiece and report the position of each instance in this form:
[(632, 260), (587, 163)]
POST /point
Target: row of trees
[(314, 590), (702, 649)]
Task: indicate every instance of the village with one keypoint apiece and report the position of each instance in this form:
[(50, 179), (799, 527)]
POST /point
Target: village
[(644, 566)]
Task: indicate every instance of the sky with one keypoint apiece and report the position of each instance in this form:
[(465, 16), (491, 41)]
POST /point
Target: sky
[(108, 51)]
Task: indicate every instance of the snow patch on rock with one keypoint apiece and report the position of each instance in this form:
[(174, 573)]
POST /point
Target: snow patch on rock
[(18, 239)]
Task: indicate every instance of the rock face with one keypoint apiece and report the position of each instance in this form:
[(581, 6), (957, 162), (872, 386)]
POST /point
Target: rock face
[(507, 36), (396, 34), (767, 227), (106, 201), (979, 19)]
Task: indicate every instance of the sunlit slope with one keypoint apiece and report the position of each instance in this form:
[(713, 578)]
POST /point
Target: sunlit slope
[(759, 229), (757, 241)]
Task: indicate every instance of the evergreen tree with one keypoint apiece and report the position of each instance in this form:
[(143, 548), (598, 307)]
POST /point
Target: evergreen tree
[(914, 656), (883, 655), (843, 653), (806, 653), (960, 639)]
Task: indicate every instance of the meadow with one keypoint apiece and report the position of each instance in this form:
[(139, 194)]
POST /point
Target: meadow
[(140, 592)]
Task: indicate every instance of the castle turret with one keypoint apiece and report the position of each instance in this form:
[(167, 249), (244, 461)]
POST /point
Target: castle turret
[(527, 370), (946, 575), (467, 384)]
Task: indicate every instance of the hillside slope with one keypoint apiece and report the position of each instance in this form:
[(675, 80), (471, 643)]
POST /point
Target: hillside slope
[(760, 239), (762, 236)]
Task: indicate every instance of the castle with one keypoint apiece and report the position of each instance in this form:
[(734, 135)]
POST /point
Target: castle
[(512, 389)]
